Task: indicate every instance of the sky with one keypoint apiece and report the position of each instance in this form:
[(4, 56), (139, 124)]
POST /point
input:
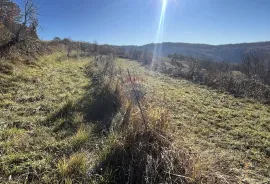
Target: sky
[(136, 22)]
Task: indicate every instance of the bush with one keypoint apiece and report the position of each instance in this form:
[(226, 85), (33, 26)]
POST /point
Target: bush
[(245, 80), (140, 145)]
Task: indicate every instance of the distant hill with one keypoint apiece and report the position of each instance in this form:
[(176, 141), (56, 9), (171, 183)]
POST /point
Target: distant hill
[(228, 52)]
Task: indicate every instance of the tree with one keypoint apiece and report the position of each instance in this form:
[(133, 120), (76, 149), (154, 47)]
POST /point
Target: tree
[(68, 43), (256, 65), (9, 12), (193, 67), (95, 47), (57, 39), (20, 25), (84, 46)]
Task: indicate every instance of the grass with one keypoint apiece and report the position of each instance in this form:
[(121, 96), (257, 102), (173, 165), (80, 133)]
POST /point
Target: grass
[(81, 137), (40, 123), (58, 126), (75, 165), (230, 134)]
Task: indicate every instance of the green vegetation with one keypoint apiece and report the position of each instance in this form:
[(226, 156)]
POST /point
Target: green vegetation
[(138, 146), (87, 116), (54, 128), (64, 120), (228, 133), (41, 125)]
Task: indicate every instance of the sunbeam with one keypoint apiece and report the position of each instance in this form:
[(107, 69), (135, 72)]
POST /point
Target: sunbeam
[(157, 49)]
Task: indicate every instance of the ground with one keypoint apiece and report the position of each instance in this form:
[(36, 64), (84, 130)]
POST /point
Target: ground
[(233, 133), (47, 134), (40, 123)]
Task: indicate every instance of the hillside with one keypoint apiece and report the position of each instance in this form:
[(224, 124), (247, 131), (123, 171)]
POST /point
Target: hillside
[(229, 52), (38, 127), (230, 134), (76, 110), (52, 128)]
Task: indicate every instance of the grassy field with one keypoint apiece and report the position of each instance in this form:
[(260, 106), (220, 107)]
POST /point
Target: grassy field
[(230, 134), (49, 132), (44, 129)]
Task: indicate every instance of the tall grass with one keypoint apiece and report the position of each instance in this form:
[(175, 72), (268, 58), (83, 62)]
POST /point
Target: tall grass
[(141, 147)]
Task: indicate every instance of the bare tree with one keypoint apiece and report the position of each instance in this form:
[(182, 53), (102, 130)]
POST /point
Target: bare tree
[(257, 66), (21, 25), (68, 43), (57, 39), (95, 47), (193, 67)]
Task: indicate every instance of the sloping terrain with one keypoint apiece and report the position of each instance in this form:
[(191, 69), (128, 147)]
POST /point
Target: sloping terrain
[(43, 130), (228, 132), (228, 52), (49, 134)]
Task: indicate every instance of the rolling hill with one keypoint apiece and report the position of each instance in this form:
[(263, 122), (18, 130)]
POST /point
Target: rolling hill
[(228, 52)]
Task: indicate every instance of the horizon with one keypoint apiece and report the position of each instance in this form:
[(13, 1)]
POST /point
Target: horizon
[(135, 91), (194, 43), (124, 22), (169, 42)]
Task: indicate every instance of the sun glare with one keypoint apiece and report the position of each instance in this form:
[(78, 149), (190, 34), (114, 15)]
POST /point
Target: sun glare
[(157, 49)]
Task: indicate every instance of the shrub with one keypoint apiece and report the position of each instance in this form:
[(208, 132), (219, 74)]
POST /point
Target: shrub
[(248, 79), (142, 150)]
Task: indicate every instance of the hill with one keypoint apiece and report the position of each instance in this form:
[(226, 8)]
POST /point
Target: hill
[(55, 115), (230, 134), (229, 52)]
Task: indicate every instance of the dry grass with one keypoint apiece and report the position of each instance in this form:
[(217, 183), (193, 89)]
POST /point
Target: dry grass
[(57, 126), (40, 120), (81, 137), (73, 167), (230, 135), (141, 150)]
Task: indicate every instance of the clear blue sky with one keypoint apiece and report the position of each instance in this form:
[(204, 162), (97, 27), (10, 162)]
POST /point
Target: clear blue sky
[(126, 22)]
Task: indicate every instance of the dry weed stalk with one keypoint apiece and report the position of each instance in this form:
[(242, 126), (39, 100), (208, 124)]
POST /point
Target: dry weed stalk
[(145, 149)]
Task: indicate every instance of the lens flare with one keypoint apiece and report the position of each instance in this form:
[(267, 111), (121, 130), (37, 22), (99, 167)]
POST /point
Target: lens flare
[(157, 49)]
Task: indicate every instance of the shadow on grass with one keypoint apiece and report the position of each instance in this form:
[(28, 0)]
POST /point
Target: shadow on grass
[(101, 108), (142, 157), (98, 108)]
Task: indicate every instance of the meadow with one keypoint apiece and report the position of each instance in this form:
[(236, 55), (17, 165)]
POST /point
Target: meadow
[(54, 127)]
